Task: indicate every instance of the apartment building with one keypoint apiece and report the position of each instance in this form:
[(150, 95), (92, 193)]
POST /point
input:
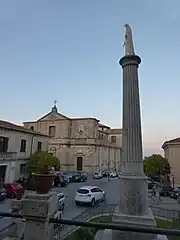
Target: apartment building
[(16, 145)]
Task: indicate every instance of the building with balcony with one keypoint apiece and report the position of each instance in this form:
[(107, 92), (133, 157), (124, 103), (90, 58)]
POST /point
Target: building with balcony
[(16, 145), (172, 153), (80, 143)]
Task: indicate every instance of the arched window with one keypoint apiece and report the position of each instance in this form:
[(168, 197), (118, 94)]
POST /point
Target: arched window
[(52, 130)]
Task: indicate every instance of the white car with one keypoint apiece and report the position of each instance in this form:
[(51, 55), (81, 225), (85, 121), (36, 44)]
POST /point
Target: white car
[(113, 174), (61, 201), (97, 175), (89, 195)]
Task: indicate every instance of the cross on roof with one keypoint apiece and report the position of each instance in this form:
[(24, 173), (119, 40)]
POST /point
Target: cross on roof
[(55, 102)]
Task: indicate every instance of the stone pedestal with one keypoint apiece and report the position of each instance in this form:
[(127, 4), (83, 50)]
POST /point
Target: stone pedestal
[(17, 229), (38, 209)]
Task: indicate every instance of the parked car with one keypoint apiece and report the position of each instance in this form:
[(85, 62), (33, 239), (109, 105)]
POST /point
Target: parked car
[(79, 177), (175, 193), (89, 195), (59, 180), (83, 176), (11, 189), (105, 174), (113, 174), (61, 201), (68, 175), (2, 194), (66, 178), (166, 190), (97, 175)]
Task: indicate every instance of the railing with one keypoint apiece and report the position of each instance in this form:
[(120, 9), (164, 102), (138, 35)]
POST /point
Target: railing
[(147, 230), (63, 227), (166, 213)]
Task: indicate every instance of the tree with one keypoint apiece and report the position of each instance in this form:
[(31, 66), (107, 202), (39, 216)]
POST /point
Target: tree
[(156, 165), (39, 159)]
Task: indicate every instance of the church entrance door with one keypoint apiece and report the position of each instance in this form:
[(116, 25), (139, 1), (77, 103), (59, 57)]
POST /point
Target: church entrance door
[(79, 163)]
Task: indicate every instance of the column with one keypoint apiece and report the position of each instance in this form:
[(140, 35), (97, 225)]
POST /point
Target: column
[(133, 182), (132, 139)]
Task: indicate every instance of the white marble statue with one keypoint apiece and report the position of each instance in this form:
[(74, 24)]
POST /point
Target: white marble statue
[(128, 44)]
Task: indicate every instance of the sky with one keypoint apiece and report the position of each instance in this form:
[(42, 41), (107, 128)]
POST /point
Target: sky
[(69, 50)]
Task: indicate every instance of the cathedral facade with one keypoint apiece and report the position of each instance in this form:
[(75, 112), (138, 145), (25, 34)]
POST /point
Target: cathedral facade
[(81, 144)]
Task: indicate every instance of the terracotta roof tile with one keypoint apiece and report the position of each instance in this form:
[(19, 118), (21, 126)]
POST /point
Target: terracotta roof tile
[(12, 126)]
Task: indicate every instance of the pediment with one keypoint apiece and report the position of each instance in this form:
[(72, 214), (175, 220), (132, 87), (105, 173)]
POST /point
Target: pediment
[(53, 116)]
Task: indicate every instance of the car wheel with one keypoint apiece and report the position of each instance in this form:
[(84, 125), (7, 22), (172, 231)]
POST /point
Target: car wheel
[(76, 203), (93, 202)]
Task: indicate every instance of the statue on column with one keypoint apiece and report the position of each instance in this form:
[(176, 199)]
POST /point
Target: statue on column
[(128, 44)]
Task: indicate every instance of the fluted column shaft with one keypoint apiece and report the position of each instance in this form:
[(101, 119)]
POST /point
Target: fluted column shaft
[(132, 139)]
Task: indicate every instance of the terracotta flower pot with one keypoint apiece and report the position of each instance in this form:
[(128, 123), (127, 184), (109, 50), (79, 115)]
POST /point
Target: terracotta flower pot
[(43, 182)]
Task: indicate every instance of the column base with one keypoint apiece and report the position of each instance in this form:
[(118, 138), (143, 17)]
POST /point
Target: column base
[(133, 195), (141, 221), (138, 221), (108, 235)]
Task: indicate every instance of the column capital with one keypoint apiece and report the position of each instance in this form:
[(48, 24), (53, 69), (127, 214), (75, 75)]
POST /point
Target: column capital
[(130, 59)]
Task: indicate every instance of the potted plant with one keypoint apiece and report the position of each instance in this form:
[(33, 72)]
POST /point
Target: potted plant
[(42, 166)]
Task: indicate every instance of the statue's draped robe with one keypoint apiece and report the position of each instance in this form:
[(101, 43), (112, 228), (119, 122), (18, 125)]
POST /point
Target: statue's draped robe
[(129, 48)]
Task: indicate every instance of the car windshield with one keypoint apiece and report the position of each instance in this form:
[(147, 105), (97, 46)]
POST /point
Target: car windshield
[(83, 191), (177, 190)]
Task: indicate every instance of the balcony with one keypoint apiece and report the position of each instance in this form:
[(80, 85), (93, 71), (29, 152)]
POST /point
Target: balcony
[(7, 156)]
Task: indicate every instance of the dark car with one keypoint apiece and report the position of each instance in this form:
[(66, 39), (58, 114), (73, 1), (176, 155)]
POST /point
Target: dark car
[(83, 176), (65, 178), (175, 193), (59, 181), (68, 175), (79, 177), (2, 194), (166, 190), (105, 174)]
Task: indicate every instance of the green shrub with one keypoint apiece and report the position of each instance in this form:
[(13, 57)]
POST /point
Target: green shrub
[(162, 223), (39, 160)]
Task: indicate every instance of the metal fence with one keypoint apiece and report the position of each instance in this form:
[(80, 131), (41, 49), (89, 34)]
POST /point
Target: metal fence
[(61, 231), (166, 213)]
